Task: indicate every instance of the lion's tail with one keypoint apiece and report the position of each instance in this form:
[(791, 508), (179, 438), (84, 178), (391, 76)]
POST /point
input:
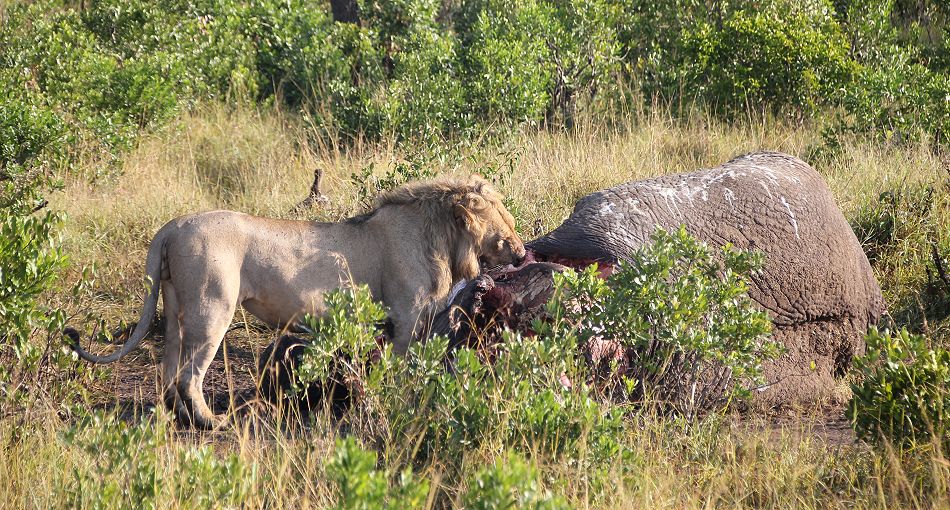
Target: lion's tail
[(153, 270)]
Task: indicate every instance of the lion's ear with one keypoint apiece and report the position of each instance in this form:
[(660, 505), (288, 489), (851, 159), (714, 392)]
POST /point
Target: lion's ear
[(463, 216), (475, 202), (467, 210)]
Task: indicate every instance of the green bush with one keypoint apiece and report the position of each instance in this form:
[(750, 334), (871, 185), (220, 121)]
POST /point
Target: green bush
[(513, 396), (340, 79), (204, 480), (420, 70), (123, 458), (348, 328), (509, 483), (32, 143), (585, 55), (31, 146), (506, 62), (361, 486), (426, 97), (30, 262), (396, 21), (777, 58), (900, 102), (528, 61), (125, 467), (202, 44), (903, 392), (105, 99), (901, 92), (689, 336)]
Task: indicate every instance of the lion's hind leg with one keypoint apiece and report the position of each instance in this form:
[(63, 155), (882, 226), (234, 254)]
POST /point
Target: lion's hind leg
[(172, 359), (201, 328)]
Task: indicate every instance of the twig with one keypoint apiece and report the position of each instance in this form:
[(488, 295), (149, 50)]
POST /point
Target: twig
[(938, 261)]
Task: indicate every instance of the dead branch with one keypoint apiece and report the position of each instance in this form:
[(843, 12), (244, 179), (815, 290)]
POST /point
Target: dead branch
[(938, 262)]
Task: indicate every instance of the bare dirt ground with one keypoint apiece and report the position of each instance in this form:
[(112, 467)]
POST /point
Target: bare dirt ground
[(133, 385)]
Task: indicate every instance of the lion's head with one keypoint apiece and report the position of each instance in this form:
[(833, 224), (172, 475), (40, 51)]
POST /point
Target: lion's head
[(482, 215), (467, 223)]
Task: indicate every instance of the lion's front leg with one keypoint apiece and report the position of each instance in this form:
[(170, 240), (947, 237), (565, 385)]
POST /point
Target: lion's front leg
[(410, 323)]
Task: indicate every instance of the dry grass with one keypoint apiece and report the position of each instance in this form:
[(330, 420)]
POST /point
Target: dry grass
[(261, 163)]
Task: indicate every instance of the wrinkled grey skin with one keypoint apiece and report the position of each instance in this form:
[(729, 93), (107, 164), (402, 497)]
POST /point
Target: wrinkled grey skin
[(816, 283)]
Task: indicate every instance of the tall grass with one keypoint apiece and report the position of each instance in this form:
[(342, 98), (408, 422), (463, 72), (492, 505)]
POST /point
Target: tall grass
[(667, 466)]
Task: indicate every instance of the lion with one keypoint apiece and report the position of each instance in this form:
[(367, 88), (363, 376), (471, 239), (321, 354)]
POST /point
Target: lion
[(416, 242)]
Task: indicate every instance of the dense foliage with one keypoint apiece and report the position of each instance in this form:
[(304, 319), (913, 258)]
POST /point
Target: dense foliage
[(903, 396), (31, 145), (515, 398), (421, 69), (127, 468)]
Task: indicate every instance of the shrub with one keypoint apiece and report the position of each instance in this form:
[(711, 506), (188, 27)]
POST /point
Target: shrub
[(900, 93), (201, 44), (345, 339), (361, 486), (339, 75), (506, 61), (777, 58), (903, 395), (426, 98), (30, 261), (123, 461), (509, 483), (396, 21), (900, 102), (125, 466), (204, 480), (513, 395), (689, 337), (32, 143), (105, 99), (31, 135), (528, 61), (31, 146)]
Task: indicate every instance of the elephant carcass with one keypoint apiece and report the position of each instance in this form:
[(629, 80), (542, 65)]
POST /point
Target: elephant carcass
[(816, 283)]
